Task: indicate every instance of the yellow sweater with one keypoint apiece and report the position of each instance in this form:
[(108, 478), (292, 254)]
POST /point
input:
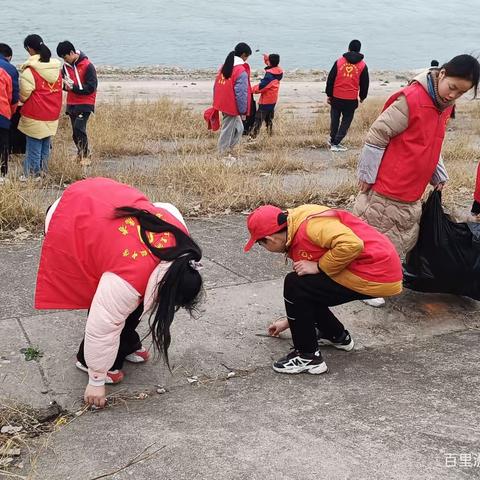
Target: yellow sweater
[(49, 71)]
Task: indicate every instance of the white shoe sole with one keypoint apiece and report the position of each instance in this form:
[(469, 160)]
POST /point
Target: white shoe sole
[(85, 369), (314, 370), (374, 302), (327, 343), (132, 358)]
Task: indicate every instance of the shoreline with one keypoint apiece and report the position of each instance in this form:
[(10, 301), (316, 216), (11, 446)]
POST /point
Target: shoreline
[(164, 72)]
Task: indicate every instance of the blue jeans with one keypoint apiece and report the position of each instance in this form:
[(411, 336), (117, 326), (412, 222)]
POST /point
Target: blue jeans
[(37, 154)]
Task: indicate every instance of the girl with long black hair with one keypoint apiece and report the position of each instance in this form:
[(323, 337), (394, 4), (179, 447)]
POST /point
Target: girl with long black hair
[(41, 95), (232, 94), (110, 250)]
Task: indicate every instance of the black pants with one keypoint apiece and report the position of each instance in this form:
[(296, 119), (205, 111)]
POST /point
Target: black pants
[(263, 116), (79, 129), (4, 149), (307, 299), (129, 340), (339, 130)]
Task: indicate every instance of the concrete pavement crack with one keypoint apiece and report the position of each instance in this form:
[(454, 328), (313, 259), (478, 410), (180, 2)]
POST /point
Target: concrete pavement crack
[(40, 368)]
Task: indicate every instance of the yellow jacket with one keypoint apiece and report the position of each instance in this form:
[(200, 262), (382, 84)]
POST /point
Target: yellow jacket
[(348, 250), (49, 71)]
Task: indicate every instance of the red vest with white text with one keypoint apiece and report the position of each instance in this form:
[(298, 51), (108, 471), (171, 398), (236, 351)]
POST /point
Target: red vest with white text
[(84, 240), (45, 102), (77, 75), (347, 81), (411, 157), (378, 261), (224, 92)]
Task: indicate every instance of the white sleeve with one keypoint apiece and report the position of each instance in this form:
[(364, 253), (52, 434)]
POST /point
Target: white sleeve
[(171, 209), (114, 300)]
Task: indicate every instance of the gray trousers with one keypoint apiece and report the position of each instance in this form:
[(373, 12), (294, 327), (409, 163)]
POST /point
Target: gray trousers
[(231, 133)]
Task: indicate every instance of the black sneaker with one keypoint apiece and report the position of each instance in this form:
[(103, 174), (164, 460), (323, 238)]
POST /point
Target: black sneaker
[(344, 342), (297, 362)]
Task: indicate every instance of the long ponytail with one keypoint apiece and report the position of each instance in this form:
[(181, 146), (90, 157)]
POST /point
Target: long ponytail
[(35, 42), (181, 286), (240, 49)]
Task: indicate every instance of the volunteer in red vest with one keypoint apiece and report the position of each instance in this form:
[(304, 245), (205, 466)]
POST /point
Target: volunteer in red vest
[(337, 258), (232, 94), (402, 151), (110, 250), (8, 104), (41, 95), (268, 89), (80, 81), (347, 82)]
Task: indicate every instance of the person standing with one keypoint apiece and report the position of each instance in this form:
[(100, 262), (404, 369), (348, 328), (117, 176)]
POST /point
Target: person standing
[(347, 81), (402, 151), (80, 81), (232, 94), (41, 94), (268, 89), (8, 104)]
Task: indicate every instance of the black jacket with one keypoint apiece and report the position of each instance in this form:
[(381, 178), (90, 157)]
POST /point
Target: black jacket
[(351, 57)]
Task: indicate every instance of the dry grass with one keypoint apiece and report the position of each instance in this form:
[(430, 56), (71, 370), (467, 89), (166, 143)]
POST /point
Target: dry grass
[(177, 160)]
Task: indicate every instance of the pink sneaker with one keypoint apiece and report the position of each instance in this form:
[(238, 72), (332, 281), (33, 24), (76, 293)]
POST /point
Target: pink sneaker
[(113, 376), (140, 356)]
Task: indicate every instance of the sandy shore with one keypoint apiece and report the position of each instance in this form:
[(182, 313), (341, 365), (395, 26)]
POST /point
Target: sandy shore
[(301, 91)]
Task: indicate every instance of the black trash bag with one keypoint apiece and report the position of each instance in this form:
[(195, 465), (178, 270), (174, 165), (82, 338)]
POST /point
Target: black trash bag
[(446, 258), (17, 141), (249, 122)]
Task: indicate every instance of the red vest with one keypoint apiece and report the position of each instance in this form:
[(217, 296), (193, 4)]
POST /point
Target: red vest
[(78, 79), (84, 241), (378, 262), (5, 94), (45, 102), (477, 186), (347, 81), (224, 93), (411, 157)]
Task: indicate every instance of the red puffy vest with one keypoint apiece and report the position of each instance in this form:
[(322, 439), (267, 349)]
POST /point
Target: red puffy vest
[(347, 81), (84, 241), (411, 157), (77, 74), (224, 93), (378, 262), (45, 102), (5, 94)]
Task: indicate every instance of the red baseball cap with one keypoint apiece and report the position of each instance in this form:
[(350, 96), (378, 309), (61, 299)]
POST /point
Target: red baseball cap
[(263, 221)]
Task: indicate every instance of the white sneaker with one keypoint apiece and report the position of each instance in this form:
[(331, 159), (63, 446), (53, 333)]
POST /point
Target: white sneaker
[(229, 160), (338, 148), (374, 302)]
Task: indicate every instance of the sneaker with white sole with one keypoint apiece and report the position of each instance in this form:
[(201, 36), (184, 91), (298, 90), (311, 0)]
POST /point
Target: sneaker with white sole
[(338, 148), (344, 342), (140, 356), (297, 362), (375, 302), (113, 376)]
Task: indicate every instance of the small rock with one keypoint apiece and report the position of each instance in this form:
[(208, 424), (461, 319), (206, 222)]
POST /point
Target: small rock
[(20, 230), (231, 374), (9, 429), (12, 452), (193, 379), (142, 395), (161, 390), (44, 391)]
